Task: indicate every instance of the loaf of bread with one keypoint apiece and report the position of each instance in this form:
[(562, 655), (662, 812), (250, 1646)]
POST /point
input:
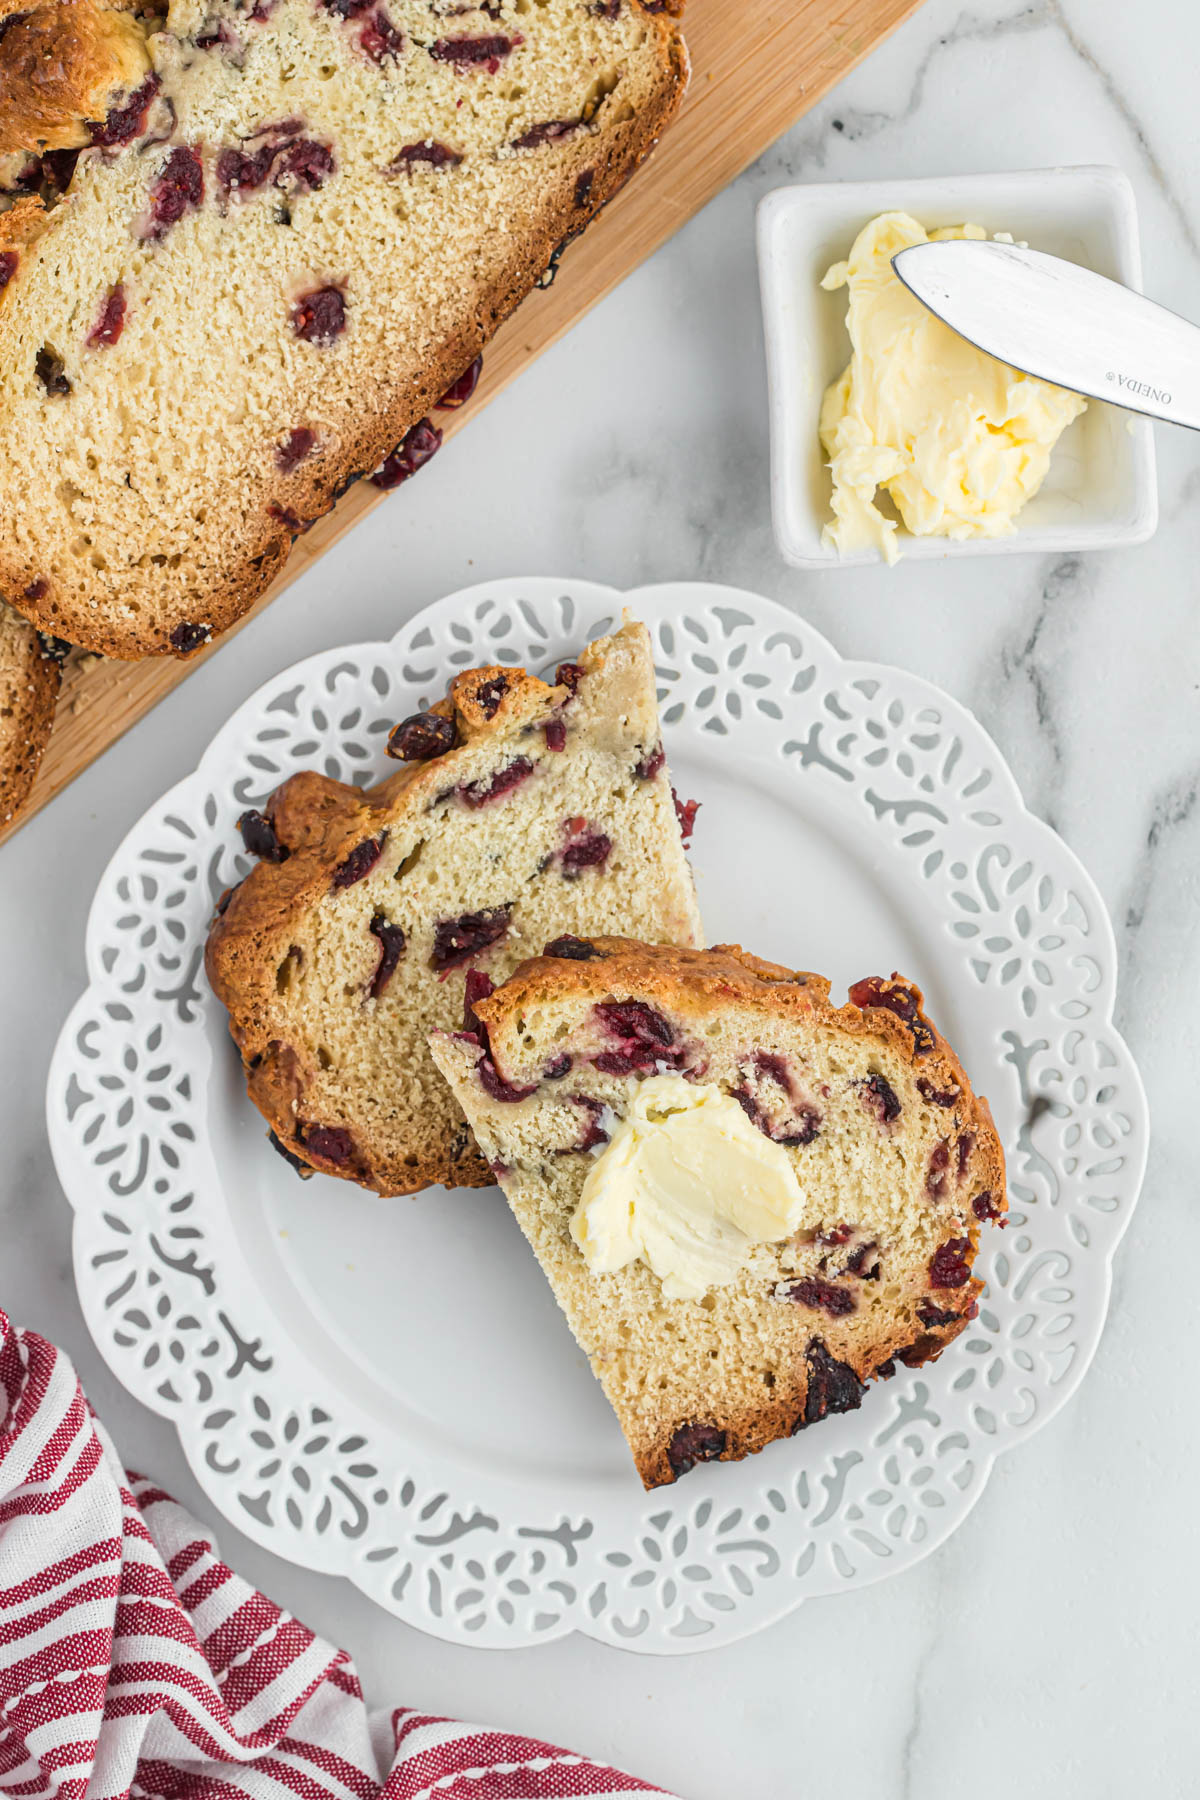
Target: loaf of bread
[(897, 1166), (29, 677), (523, 811), (246, 245)]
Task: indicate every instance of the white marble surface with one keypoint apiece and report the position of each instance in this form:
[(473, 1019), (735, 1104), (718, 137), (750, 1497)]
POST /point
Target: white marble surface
[(1049, 1648)]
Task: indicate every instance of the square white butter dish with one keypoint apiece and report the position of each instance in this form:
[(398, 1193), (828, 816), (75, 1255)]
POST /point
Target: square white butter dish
[(1101, 490)]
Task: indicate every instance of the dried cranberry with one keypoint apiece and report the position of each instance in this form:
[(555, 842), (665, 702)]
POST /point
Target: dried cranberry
[(179, 186), (568, 675), (360, 862), (421, 737), (460, 391), (302, 1169), (56, 169), (475, 794), (332, 1143), (306, 164), (585, 850), (933, 1316), (938, 1096), (801, 1124), (950, 1264), (258, 835), (836, 1236), (238, 172), (694, 1443), (466, 53), (188, 637), (346, 9), (856, 1262), (38, 588), (556, 735), (494, 1084), (939, 1163), (895, 997), (879, 1097), (51, 372), (572, 949), (593, 1134), (557, 1067), (984, 1207), (822, 1296), (966, 1144), (319, 317), (391, 949), (550, 131), (9, 259), (296, 446), (414, 450), (646, 1038), (455, 940), (490, 693), (650, 764), (125, 122), (685, 812), (380, 39), (833, 1387), (214, 38), (476, 987), (583, 186), (431, 155)]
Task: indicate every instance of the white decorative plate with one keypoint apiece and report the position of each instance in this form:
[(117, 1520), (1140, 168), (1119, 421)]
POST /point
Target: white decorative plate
[(385, 1389)]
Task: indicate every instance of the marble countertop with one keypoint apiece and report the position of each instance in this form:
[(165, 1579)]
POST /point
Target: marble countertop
[(1044, 1648)]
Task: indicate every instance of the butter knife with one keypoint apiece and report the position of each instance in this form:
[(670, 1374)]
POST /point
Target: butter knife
[(1063, 323)]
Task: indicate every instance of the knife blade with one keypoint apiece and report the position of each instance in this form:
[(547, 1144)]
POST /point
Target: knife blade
[(1063, 323)]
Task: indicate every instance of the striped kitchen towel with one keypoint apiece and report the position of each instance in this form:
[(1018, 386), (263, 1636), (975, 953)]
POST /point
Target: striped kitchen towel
[(133, 1661)]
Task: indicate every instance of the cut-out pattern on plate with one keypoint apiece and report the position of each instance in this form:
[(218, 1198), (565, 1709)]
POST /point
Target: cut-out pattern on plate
[(290, 1454)]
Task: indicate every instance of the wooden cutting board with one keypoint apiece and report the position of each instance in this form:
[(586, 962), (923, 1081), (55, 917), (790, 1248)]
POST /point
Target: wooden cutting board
[(756, 66)]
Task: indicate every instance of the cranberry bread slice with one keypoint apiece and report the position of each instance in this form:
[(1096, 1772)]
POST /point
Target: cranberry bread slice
[(29, 677), (287, 236), (528, 810), (898, 1164)]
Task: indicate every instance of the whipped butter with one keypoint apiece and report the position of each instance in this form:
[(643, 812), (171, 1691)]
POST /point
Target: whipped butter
[(687, 1184), (958, 440)]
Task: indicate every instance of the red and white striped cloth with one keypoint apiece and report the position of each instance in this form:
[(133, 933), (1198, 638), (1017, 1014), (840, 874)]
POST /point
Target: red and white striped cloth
[(133, 1661)]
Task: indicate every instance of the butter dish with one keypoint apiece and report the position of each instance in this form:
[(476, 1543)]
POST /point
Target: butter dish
[(1101, 490)]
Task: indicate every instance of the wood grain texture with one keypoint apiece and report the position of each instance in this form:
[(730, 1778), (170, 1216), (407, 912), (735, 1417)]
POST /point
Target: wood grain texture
[(757, 65)]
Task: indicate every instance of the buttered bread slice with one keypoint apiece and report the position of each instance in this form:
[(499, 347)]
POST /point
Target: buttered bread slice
[(247, 245), (749, 1202)]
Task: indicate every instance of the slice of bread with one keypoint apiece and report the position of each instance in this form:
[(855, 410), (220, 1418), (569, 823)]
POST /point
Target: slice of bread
[(29, 678), (897, 1161), (527, 811), (290, 229)]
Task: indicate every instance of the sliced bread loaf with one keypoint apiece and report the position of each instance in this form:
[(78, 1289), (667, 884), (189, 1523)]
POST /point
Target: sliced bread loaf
[(29, 677), (523, 811), (249, 245), (646, 1109)]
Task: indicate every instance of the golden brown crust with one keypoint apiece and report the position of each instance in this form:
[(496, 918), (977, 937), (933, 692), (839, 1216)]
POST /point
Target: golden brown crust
[(29, 681), (245, 562), (61, 66), (687, 985)]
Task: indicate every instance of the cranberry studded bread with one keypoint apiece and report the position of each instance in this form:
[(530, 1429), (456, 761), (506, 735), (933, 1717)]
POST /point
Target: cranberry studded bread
[(29, 676), (249, 244), (523, 811), (748, 1201)]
